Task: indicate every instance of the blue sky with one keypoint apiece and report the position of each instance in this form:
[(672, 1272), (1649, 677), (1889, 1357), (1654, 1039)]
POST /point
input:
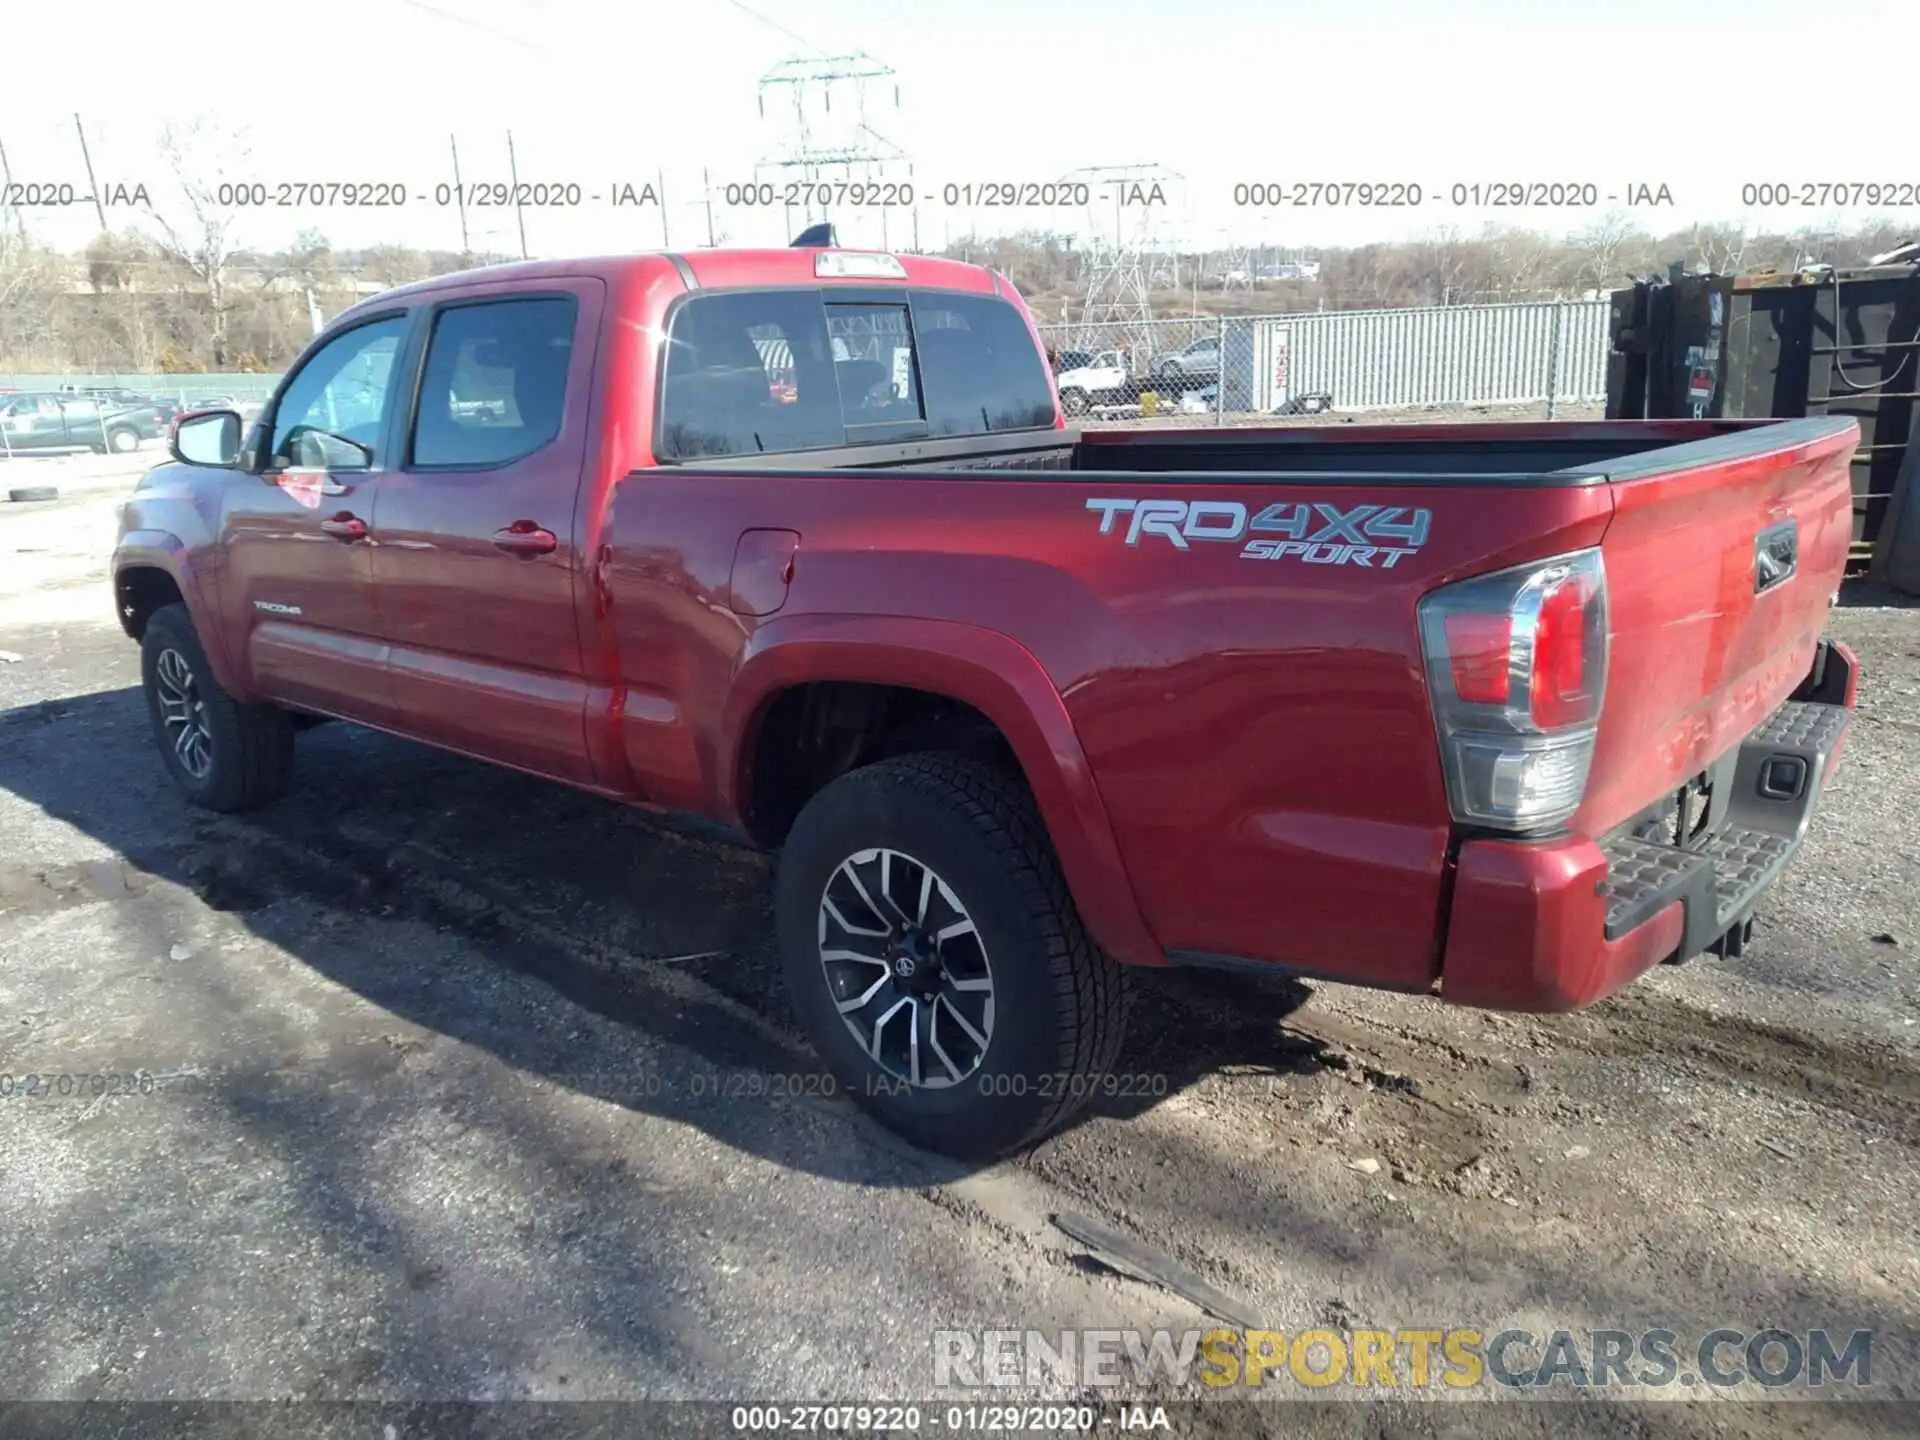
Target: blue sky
[(1427, 92)]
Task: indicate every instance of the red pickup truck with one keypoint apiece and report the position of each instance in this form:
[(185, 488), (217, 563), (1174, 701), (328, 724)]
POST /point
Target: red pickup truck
[(798, 540)]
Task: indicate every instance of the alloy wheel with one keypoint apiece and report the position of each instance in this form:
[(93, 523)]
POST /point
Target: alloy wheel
[(183, 713), (907, 968)]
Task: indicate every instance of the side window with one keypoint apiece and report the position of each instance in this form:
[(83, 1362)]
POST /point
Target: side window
[(495, 386), (981, 369), (873, 364), (748, 373), (331, 414)]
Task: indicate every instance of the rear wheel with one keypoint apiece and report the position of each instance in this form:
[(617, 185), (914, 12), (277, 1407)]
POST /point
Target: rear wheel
[(222, 754), (935, 958), (123, 440), (1074, 402)]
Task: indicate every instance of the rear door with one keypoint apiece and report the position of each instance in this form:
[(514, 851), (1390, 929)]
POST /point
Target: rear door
[(477, 561), (297, 532)]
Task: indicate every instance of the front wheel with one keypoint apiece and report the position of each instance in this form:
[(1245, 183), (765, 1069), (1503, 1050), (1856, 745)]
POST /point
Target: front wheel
[(223, 755), (935, 958), (1074, 402)]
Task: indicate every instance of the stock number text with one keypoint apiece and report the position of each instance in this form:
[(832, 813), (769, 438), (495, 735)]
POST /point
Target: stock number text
[(857, 193), (1396, 194), (278, 194), (76, 1086), (1880, 194)]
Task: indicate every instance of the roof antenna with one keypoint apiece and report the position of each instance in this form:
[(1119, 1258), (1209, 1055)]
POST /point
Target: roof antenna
[(817, 237)]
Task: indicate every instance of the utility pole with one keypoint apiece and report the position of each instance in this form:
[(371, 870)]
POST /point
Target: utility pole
[(99, 210), (460, 199), (706, 181), (519, 211), (661, 176)]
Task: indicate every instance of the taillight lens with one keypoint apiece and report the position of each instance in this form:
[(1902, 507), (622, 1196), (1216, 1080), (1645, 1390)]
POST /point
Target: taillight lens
[(1516, 665)]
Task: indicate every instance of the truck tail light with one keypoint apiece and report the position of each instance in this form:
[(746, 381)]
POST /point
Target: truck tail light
[(1517, 667)]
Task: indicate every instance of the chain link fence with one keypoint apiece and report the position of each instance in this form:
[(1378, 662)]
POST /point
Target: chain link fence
[(1227, 370), (187, 391), (1209, 369)]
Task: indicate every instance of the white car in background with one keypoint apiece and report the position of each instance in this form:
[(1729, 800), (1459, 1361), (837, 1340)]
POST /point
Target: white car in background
[(1082, 387)]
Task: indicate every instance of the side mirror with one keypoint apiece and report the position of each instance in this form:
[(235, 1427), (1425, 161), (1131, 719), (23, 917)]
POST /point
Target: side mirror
[(207, 437)]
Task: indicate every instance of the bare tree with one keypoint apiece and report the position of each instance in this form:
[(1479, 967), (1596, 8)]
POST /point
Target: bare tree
[(390, 265), (1721, 248), (120, 260), (29, 288), (1440, 266), (1605, 247), (200, 300), (203, 157)]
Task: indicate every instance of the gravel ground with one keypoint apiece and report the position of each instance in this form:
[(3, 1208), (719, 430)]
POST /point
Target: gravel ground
[(439, 1107)]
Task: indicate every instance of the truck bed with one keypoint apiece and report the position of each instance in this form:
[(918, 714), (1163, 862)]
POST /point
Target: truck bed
[(1256, 715), (1554, 453)]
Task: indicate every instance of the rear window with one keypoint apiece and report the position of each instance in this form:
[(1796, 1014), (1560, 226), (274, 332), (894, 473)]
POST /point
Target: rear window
[(980, 367), (756, 372)]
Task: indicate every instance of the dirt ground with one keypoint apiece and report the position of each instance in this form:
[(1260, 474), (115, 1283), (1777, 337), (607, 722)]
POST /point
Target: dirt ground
[(453, 1085)]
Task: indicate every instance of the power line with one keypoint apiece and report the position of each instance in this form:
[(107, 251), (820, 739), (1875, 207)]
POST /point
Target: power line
[(794, 36), (438, 13)]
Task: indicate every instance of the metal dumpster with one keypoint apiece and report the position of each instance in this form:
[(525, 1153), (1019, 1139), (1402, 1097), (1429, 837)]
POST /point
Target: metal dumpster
[(1815, 342)]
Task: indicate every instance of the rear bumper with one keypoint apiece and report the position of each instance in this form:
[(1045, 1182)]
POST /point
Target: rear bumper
[(1560, 924)]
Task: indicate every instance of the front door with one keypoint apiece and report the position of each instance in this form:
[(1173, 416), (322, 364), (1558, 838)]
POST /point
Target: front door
[(475, 563), (297, 532)]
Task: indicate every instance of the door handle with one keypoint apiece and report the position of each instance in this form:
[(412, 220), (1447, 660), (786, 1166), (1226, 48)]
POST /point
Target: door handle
[(523, 537), (345, 527)]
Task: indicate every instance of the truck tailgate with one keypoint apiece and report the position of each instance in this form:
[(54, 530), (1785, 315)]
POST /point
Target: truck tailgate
[(1722, 560)]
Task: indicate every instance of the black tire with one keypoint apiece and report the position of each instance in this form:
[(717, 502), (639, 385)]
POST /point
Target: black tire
[(1058, 1014), (34, 492), (249, 747), (123, 441), (1073, 402)]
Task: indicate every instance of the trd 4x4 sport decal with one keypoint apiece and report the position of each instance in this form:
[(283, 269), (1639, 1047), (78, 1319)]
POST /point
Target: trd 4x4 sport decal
[(1376, 536)]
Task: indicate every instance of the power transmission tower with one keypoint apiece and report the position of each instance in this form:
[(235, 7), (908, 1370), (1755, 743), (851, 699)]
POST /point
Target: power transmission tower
[(826, 133), (1124, 261)]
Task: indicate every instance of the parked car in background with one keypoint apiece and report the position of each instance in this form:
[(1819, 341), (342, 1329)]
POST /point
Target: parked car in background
[(1094, 378), (1206, 400), (51, 422), (167, 410), (247, 409), (1199, 361)]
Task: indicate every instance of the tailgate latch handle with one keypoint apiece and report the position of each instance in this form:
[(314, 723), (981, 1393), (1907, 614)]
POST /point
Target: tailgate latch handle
[(1776, 555)]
